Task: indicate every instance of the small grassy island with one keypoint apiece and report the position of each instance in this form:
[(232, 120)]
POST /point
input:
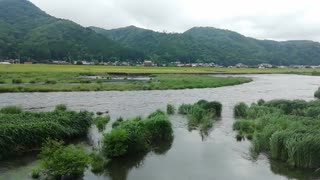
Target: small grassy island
[(89, 81), (287, 130)]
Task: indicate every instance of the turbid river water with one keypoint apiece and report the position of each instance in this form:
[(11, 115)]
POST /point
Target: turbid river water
[(192, 155)]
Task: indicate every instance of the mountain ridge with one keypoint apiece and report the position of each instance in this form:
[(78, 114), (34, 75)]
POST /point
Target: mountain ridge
[(29, 33)]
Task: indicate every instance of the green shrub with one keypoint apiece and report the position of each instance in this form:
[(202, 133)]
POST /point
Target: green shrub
[(117, 122), (85, 81), (137, 135), (11, 110), (317, 94), (98, 163), (239, 137), (244, 126), (61, 107), (261, 102), (36, 173), (116, 143), (99, 113), (50, 82), (58, 161), (101, 122), (158, 128), (240, 110), (170, 109), (16, 81), (32, 82)]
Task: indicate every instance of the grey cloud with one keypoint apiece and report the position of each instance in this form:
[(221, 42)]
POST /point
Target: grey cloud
[(178, 15)]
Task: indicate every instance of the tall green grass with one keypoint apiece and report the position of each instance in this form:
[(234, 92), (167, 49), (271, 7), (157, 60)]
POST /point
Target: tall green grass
[(288, 130), (22, 131)]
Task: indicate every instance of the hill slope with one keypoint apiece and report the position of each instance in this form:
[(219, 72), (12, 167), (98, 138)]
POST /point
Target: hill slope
[(29, 33), (207, 44)]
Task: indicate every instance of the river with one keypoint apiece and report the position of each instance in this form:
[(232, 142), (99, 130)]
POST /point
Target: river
[(192, 155)]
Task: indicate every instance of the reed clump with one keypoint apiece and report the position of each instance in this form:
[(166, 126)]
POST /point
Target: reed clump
[(23, 131), (288, 130), (201, 114)]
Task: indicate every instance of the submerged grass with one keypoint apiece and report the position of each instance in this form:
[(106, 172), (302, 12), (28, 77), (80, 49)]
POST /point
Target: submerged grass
[(287, 130)]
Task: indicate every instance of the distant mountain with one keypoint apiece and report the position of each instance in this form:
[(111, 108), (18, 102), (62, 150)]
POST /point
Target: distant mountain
[(207, 44), (29, 33)]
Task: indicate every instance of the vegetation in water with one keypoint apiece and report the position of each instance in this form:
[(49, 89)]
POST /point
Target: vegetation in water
[(287, 130), (240, 110), (170, 109), (201, 114), (23, 131), (101, 122), (137, 135), (61, 162)]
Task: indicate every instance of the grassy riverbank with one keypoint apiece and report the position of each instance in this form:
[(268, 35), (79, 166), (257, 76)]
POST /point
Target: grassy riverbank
[(94, 81), (150, 70)]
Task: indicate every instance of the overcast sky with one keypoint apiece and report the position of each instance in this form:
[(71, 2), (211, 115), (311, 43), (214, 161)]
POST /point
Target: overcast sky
[(267, 19)]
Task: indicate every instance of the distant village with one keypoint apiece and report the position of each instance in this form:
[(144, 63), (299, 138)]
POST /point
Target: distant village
[(150, 63)]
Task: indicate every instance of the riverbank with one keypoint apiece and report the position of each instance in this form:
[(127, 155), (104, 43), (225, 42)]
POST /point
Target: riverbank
[(89, 81), (151, 70)]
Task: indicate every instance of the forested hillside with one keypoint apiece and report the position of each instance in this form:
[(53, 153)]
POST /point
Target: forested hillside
[(31, 34), (207, 44), (28, 33)]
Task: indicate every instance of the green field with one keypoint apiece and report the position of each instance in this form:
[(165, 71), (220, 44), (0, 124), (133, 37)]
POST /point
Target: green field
[(46, 78), (149, 70)]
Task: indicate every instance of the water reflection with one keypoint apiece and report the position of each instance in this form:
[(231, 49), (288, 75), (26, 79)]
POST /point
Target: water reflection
[(119, 169), (293, 173)]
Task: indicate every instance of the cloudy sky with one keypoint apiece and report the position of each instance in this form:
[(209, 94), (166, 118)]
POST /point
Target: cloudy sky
[(267, 19)]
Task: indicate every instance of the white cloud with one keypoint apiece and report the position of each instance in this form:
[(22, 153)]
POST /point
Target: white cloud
[(268, 19)]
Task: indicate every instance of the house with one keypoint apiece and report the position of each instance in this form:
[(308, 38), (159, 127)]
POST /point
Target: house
[(264, 65), (12, 61), (240, 65), (148, 63), (28, 62), (60, 62)]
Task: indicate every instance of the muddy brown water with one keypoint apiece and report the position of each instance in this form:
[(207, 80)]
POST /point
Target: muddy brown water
[(192, 155)]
